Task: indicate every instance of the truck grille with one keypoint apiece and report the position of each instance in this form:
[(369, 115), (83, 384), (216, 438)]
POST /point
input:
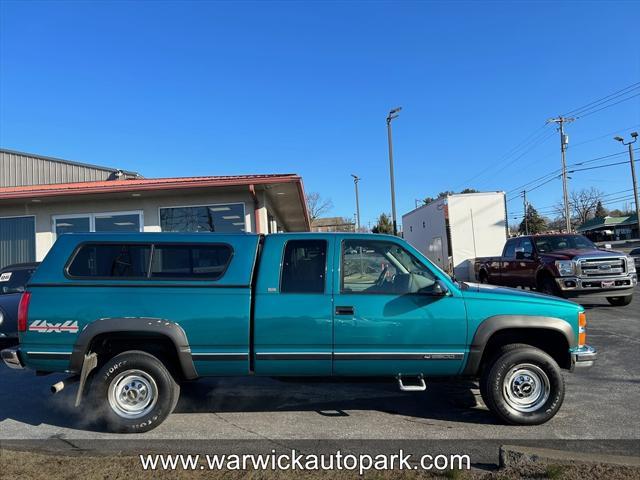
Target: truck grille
[(601, 267)]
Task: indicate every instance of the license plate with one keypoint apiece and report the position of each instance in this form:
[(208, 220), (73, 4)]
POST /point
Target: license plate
[(608, 283)]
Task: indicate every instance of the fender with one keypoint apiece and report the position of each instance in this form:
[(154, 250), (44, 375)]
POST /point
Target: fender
[(135, 324), (502, 322)]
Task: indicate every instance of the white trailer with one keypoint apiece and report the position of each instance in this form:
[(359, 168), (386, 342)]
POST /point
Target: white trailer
[(452, 231)]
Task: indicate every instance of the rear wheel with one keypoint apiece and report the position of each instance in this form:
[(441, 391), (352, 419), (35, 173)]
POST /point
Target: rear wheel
[(134, 392), (523, 385), (620, 301)]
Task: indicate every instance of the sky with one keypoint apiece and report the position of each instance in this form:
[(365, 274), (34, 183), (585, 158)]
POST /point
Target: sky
[(222, 88)]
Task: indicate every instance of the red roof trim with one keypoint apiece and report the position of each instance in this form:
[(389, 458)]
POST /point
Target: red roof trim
[(115, 186)]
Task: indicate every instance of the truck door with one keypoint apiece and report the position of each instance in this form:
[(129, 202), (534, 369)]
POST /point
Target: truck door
[(508, 263), (388, 319), (525, 262), (293, 331)]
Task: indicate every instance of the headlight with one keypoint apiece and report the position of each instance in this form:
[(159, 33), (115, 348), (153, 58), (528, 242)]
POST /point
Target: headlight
[(565, 267), (631, 265)]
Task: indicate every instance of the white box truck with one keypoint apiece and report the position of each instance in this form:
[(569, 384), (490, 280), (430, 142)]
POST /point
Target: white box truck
[(453, 230)]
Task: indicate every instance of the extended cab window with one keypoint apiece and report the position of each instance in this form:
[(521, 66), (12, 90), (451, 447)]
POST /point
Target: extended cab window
[(304, 266), (110, 260), (201, 262), (510, 248), (371, 266)]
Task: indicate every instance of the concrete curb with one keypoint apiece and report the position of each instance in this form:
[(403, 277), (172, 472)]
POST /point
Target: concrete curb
[(515, 455)]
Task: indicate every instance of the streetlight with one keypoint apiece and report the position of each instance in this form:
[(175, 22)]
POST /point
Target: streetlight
[(356, 179), (634, 135), (392, 114)]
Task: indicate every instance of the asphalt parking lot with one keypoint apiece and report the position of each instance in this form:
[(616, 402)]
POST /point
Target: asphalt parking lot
[(601, 403)]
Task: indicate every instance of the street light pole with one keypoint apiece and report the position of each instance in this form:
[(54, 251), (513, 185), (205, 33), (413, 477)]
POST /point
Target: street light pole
[(356, 179), (634, 135), (392, 114)]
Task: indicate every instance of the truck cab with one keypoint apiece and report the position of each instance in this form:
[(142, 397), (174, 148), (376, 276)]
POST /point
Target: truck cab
[(132, 316)]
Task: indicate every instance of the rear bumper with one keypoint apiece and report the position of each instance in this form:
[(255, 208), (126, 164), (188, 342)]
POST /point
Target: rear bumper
[(617, 286), (11, 358), (583, 357)]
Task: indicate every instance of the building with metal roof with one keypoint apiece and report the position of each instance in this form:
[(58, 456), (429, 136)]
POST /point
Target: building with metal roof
[(610, 228), (60, 197)]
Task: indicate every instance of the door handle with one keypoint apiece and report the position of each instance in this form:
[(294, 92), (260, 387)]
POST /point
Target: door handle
[(344, 311)]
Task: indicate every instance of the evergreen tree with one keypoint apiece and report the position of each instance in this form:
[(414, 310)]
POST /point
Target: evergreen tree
[(535, 223), (600, 212), (384, 224)]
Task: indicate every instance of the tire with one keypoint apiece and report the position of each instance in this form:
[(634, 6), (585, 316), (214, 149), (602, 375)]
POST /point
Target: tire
[(522, 385), (133, 392), (548, 286), (620, 301)]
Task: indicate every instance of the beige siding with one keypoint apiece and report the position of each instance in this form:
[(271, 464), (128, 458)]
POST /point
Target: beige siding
[(17, 169)]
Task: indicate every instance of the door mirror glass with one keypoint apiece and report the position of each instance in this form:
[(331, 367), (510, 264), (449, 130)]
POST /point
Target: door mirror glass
[(439, 289)]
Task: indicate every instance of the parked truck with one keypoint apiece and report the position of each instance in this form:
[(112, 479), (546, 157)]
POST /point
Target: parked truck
[(132, 316), (452, 231), (564, 265)]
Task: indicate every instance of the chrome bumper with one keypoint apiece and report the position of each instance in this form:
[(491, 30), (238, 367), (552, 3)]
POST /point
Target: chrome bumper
[(11, 358), (615, 285), (583, 357)]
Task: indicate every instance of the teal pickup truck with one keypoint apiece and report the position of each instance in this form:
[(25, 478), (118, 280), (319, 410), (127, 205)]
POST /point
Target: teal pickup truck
[(131, 316)]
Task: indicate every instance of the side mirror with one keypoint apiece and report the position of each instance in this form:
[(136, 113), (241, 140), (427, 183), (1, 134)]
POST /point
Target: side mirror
[(607, 246), (439, 289)]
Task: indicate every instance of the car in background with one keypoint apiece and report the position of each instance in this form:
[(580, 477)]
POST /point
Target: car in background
[(635, 254), (564, 265), (13, 280)]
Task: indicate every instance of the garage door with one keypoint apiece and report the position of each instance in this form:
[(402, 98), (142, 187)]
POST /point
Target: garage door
[(17, 240)]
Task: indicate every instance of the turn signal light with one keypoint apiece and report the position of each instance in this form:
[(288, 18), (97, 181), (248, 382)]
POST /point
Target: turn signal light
[(582, 329), (23, 311)]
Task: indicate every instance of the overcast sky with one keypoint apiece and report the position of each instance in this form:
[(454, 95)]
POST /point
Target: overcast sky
[(214, 88)]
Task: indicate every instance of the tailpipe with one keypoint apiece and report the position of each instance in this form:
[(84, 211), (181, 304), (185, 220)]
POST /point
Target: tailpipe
[(58, 387)]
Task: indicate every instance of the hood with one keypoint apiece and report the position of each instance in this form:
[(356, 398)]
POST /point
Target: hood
[(499, 293), (571, 253)]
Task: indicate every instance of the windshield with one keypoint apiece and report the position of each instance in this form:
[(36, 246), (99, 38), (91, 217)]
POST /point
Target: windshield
[(14, 281), (554, 243)]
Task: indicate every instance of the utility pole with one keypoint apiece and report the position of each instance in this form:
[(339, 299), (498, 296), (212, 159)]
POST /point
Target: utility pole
[(356, 179), (564, 141), (392, 114), (526, 220), (634, 135)]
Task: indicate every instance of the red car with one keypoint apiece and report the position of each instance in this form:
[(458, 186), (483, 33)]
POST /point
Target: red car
[(564, 265)]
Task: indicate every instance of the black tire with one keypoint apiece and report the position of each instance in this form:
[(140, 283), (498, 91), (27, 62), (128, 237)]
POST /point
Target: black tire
[(526, 371), (548, 285), (133, 392), (620, 301)]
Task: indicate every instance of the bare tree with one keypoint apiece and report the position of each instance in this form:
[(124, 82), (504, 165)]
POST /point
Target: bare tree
[(317, 206), (583, 203)]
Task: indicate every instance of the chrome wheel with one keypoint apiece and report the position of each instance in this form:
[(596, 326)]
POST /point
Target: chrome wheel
[(132, 394), (526, 388)]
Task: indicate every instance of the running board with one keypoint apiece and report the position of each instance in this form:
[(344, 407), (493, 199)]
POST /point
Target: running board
[(420, 387)]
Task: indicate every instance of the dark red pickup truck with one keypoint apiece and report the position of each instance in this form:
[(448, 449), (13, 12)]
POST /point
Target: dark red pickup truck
[(563, 265)]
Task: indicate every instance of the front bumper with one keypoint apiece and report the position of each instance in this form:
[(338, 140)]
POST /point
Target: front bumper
[(583, 357), (614, 286), (11, 358)]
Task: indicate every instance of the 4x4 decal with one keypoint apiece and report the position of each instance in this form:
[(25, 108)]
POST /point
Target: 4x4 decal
[(43, 326)]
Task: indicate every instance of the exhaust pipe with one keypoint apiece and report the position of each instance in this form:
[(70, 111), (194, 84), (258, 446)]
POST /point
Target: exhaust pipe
[(58, 387)]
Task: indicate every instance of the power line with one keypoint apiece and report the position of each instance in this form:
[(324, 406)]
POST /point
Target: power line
[(607, 106), (595, 103)]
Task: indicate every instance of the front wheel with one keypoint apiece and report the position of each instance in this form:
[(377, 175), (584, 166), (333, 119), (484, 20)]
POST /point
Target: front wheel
[(523, 386), (548, 286), (620, 301), (133, 392)]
